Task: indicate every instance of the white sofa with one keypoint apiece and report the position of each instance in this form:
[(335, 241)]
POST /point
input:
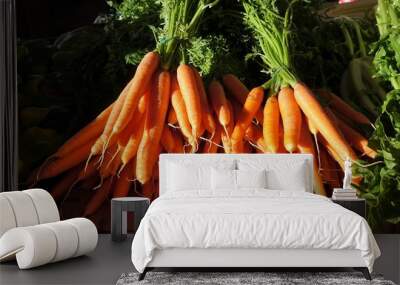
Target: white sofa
[(31, 231)]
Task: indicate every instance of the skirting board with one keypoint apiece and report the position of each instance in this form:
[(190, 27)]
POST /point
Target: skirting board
[(176, 257), (388, 263)]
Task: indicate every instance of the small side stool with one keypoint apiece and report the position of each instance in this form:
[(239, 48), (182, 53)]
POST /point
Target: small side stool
[(119, 209)]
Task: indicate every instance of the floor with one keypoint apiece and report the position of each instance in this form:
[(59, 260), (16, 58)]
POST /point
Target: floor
[(103, 266), (106, 264)]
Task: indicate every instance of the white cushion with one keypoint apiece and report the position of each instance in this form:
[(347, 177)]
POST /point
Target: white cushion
[(32, 246), (87, 235), (281, 174), (40, 244), (23, 208), (7, 218), (26, 208), (223, 179), (251, 178), (228, 179), (66, 238), (45, 205), (293, 179), (184, 175)]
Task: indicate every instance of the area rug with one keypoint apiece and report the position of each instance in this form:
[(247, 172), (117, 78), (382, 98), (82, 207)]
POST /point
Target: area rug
[(244, 278)]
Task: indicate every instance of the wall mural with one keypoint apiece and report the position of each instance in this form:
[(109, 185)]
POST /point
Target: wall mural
[(98, 104)]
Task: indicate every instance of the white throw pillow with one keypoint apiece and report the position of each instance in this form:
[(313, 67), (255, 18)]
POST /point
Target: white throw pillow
[(292, 179), (223, 179), (183, 175), (251, 178)]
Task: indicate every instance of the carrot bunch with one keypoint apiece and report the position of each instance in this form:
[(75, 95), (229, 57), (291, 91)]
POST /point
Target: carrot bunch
[(166, 107), (293, 112)]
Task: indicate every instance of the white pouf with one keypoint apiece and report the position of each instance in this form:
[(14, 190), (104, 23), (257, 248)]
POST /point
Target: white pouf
[(31, 231), (37, 245)]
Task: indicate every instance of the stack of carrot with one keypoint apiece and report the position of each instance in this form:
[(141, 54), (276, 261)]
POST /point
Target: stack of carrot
[(171, 113), (171, 110)]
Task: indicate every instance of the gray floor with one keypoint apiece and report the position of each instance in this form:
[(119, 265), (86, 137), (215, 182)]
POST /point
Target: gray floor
[(110, 259), (103, 266)]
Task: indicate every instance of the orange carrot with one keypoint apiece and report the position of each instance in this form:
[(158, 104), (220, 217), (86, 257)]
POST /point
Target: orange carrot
[(247, 147), (271, 124), (332, 117), (311, 127), (155, 120), (250, 107), (105, 169), (134, 124), (180, 110), (344, 108), (215, 141), (99, 197), (168, 140), (148, 189), (87, 171), (329, 170), (131, 147), (236, 88), (156, 190), (102, 142), (124, 136), (89, 182), (123, 183), (57, 166), (219, 103), (331, 150), (172, 118), (306, 145), (314, 111), (65, 183), (156, 170), (255, 135), (207, 116), (357, 140), (236, 110), (89, 132), (178, 142), (190, 94), (323, 166), (139, 84), (281, 147), (291, 118), (142, 105), (115, 164), (227, 132)]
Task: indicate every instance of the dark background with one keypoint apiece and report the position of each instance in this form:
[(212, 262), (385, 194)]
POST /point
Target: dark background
[(49, 18)]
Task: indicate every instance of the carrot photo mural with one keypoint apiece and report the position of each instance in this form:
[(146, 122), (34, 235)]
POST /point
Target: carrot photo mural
[(203, 77)]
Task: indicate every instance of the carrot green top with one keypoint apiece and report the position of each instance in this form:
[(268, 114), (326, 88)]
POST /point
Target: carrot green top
[(272, 34), (181, 20)]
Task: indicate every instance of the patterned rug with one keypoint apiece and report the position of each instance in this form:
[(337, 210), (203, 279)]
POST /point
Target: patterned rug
[(244, 278)]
